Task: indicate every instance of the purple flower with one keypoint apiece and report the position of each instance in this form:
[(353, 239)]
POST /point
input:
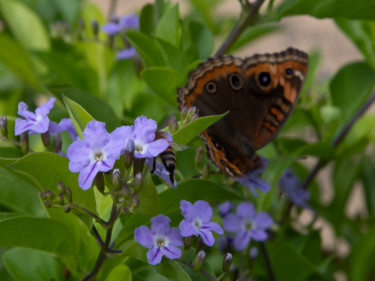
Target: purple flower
[(247, 224), (197, 221), (225, 208), (124, 22), (34, 123), (292, 187), (161, 240), (161, 172), (253, 180), (126, 53), (65, 124), (96, 152), (143, 135)]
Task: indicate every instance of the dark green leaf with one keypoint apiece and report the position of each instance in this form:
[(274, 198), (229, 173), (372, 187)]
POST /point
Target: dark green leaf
[(169, 27), (26, 27), (172, 270), (147, 19), (368, 179), (68, 9), (148, 196), (190, 131), (120, 273), (202, 39)]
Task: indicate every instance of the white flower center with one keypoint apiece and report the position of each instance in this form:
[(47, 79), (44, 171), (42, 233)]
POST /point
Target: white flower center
[(38, 118), (97, 156), (248, 225), (161, 241), (197, 223)]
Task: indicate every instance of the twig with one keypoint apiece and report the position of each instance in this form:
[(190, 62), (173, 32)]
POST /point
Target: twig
[(271, 274), (112, 9), (251, 11)]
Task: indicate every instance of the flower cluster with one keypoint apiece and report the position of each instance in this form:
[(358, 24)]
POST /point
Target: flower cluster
[(98, 150), (118, 27), (161, 240)]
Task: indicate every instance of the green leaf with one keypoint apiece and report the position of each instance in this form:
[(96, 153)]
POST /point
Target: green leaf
[(29, 264), (80, 117), (172, 270), (251, 34), (147, 19), (120, 273), (164, 81), (147, 47), (148, 196), (69, 9), (40, 164), (290, 265), (187, 133), (202, 39), (361, 9), (368, 179), (47, 235), (361, 34), (169, 27), (26, 27), (18, 61), (19, 195), (353, 79)]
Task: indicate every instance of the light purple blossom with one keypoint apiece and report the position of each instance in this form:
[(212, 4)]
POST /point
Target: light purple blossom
[(292, 187), (161, 172), (126, 53), (197, 221), (65, 124), (225, 208), (247, 224), (161, 240), (124, 22), (143, 135), (96, 152), (34, 123), (253, 180)]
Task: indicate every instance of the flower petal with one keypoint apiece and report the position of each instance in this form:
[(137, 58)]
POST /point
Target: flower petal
[(187, 229), (175, 237), (245, 210), (258, 234), (44, 109), (111, 28), (242, 240), (87, 175), (118, 138), (154, 256), (21, 126), (79, 155), (40, 127), (171, 252), (263, 220), (143, 236), (129, 21), (152, 149), (23, 110), (202, 210), (231, 223), (186, 210), (160, 225), (126, 53), (207, 237), (213, 226), (95, 134), (144, 129)]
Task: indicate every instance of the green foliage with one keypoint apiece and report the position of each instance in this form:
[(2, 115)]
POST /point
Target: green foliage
[(51, 48)]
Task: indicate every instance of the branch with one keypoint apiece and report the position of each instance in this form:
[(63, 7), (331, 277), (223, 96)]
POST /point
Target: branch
[(271, 274), (251, 12)]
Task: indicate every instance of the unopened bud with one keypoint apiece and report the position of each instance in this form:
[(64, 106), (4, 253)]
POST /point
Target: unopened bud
[(99, 182), (43, 196), (138, 165), (129, 152), (198, 261), (60, 199), (135, 200), (188, 242), (253, 253), (172, 124), (191, 114), (67, 208), (45, 139), (24, 141), (47, 204), (184, 113), (4, 126), (49, 195), (95, 28), (61, 188), (138, 182), (69, 195), (125, 191), (116, 179), (206, 171), (57, 143), (200, 245), (227, 262), (125, 210), (198, 157)]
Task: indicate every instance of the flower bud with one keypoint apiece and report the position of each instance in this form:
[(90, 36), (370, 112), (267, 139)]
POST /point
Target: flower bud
[(24, 141), (95, 28), (4, 126), (200, 245), (172, 124), (116, 179), (227, 262), (129, 152), (138, 182), (206, 171), (57, 143), (125, 191), (253, 253), (198, 261), (45, 139), (188, 242), (191, 114), (67, 208), (49, 195), (69, 195), (138, 165), (47, 204), (60, 199), (99, 182), (135, 201), (61, 188), (184, 113), (43, 196), (125, 210)]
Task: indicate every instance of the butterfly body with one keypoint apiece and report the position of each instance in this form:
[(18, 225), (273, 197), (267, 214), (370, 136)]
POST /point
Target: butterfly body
[(259, 93)]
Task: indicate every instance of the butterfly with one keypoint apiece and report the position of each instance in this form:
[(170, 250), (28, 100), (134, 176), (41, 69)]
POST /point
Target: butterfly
[(259, 92)]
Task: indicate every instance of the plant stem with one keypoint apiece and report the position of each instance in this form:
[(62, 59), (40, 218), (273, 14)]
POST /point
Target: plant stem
[(91, 214), (271, 274), (209, 276), (105, 246), (251, 12), (112, 9)]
